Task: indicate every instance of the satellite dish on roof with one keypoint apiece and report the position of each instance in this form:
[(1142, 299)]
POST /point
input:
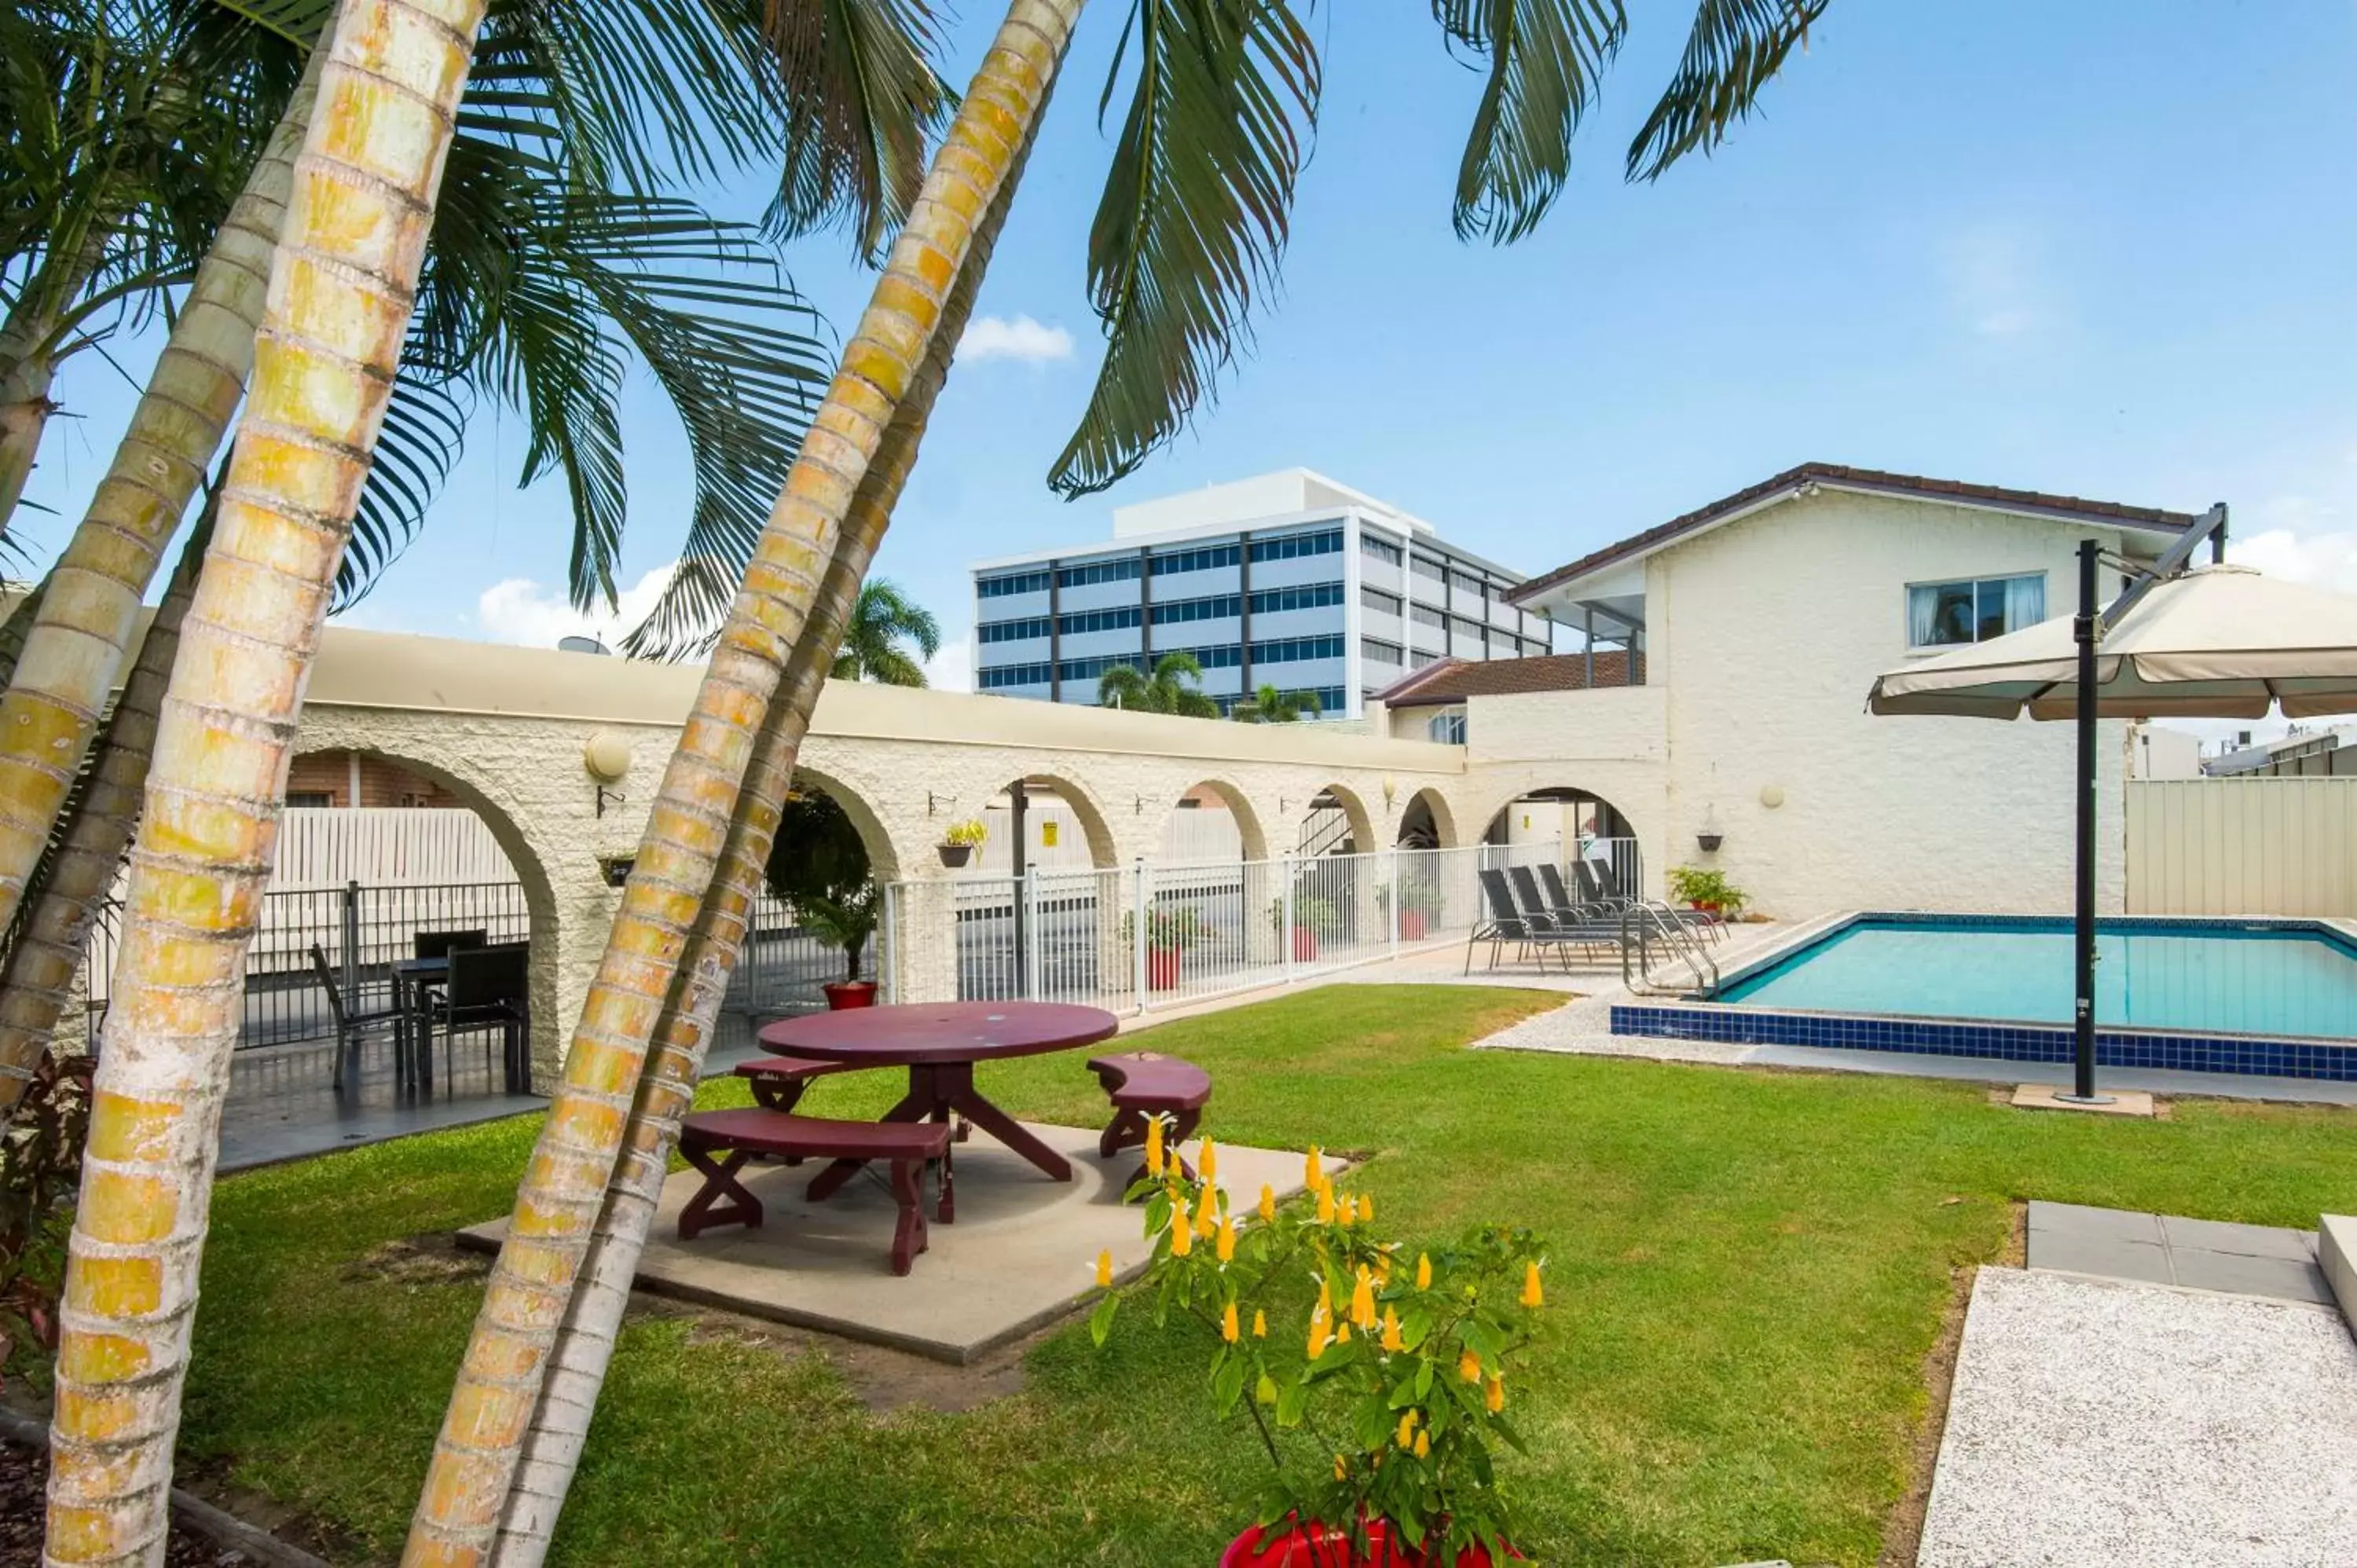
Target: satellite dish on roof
[(581, 645)]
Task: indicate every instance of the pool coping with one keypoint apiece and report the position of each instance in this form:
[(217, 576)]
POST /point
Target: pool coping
[(1693, 1017)]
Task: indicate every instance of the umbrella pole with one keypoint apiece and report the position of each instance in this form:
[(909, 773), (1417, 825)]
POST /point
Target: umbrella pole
[(2083, 1015)]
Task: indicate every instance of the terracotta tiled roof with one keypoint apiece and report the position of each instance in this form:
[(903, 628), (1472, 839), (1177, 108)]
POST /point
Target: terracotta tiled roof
[(1454, 680), (2062, 508)]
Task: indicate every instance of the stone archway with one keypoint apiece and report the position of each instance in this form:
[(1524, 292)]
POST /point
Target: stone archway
[(1356, 826), (1426, 822), (1050, 802), (1251, 837)]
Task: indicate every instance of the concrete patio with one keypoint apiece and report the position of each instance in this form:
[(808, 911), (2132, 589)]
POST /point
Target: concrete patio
[(1021, 1254)]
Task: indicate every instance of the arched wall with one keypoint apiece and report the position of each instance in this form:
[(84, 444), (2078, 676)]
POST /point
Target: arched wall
[(1444, 819), (1250, 833), (1354, 809), (883, 855)]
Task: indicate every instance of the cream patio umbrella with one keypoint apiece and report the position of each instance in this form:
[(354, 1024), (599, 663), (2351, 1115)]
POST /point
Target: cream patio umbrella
[(2218, 642)]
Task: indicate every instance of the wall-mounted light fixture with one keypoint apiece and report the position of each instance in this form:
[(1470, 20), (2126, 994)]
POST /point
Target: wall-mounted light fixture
[(605, 756), (615, 868)]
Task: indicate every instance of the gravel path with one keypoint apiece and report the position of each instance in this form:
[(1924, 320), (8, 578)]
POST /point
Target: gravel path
[(2102, 1425)]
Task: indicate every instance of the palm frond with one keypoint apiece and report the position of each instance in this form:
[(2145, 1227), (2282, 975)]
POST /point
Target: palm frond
[(1193, 218), (425, 432), (1734, 50), (1544, 60), (863, 97)]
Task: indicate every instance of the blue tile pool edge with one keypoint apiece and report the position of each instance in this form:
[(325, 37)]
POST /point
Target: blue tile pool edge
[(2248, 1054)]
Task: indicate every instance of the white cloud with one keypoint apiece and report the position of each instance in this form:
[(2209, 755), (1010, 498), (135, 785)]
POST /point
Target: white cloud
[(951, 670), (520, 610), (1023, 338)]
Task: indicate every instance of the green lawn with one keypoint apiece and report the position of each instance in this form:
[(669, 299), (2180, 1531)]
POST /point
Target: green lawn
[(1748, 1270)]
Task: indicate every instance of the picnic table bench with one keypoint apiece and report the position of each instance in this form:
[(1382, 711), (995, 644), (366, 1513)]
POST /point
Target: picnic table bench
[(1141, 1084), (720, 1143)]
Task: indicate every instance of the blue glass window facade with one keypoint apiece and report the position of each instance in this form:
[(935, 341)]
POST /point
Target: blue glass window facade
[(1012, 582)]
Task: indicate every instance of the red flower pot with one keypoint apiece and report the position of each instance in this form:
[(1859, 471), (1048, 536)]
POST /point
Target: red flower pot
[(1411, 925), (1315, 1546), (1162, 969), (845, 994), (1305, 945)]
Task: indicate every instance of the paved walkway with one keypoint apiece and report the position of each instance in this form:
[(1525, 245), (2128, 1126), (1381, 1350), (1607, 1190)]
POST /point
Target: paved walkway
[(2103, 1424), (2198, 1254)]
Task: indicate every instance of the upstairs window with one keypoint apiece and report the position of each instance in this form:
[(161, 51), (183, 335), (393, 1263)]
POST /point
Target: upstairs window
[(1947, 615)]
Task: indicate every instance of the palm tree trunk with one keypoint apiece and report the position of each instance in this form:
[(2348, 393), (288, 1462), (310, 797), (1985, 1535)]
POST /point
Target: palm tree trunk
[(18, 626), (564, 1184), (24, 410), (29, 359), (341, 293), (585, 1343), (75, 649), (37, 979)]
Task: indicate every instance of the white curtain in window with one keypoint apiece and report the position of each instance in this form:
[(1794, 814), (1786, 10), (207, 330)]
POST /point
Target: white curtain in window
[(1922, 615), (2025, 602)]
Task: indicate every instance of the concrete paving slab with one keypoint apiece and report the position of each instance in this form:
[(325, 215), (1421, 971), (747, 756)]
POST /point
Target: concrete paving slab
[(2286, 1279), (2100, 1255), (1022, 1253), (2244, 1240), (2102, 1425), (2103, 1224)]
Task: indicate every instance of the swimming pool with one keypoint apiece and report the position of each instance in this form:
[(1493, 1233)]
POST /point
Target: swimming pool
[(2276, 997)]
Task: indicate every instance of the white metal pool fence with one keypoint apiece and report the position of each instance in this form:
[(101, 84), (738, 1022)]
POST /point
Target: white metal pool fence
[(1155, 935)]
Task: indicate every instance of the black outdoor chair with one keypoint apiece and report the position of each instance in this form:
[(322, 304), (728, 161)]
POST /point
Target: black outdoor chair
[(350, 1023), (1584, 928), (1587, 906), (442, 944), (1591, 885), (1506, 923), (490, 988)]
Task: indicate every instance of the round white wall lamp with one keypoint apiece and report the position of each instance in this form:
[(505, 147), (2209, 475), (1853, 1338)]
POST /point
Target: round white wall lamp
[(1771, 795), (606, 756)]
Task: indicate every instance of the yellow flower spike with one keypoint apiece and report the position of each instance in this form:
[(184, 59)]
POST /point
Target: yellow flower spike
[(1494, 1397), (1260, 1323), (1228, 1329), (1423, 1443), (1267, 1202), (1182, 1235), (1350, 1213), (1342, 1332), (1362, 1299), (1392, 1340), (1154, 1161), (1207, 1160), (1227, 1241), (1313, 1170), (1325, 1206), (1366, 1209), (1318, 1334), (1468, 1367), (1423, 1271), (1533, 1296), (1104, 1270), (1207, 1217), (1325, 1297), (1406, 1434), (1384, 1269), (1341, 1470)]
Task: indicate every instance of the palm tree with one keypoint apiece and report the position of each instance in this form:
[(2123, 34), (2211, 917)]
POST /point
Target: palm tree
[(1270, 706), (1174, 687), (1193, 217), (884, 626)]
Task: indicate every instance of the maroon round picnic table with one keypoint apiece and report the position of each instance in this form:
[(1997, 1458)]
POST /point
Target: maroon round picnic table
[(939, 1043)]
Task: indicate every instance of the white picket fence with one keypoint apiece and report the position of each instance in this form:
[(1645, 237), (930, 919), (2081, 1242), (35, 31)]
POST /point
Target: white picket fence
[(1155, 935), (385, 845)]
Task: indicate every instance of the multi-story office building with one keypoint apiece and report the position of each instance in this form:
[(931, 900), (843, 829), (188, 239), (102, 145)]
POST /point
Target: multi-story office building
[(1287, 580)]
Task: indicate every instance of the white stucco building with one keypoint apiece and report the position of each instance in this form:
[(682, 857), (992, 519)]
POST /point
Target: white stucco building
[(1751, 629)]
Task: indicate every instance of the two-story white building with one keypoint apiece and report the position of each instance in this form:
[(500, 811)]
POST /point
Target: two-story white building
[(1722, 696)]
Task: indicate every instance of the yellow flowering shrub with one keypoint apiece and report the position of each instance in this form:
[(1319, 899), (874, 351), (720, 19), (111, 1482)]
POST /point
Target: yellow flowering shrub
[(1394, 1422)]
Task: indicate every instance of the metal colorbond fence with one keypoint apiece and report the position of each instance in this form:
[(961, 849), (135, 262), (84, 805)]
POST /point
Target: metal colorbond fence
[(2242, 846)]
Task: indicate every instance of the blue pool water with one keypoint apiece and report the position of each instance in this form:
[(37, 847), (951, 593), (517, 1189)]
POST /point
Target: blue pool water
[(2147, 976)]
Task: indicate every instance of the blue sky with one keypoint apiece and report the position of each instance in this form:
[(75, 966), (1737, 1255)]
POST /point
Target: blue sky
[(1993, 240)]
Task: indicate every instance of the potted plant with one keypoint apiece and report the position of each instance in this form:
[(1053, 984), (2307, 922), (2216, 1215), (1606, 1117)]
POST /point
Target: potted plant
[(1418, 899), (959, 843), (1708, 891), (1168, 933), (1312, 915), (819, 866), (1395, 1372)]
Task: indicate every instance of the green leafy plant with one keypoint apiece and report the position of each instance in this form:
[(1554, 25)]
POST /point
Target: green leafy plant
[(1694, 885), (970, 833), (1166, 930), (819, 865), (40, 1169), (1311, 912), (1376, 1384)]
